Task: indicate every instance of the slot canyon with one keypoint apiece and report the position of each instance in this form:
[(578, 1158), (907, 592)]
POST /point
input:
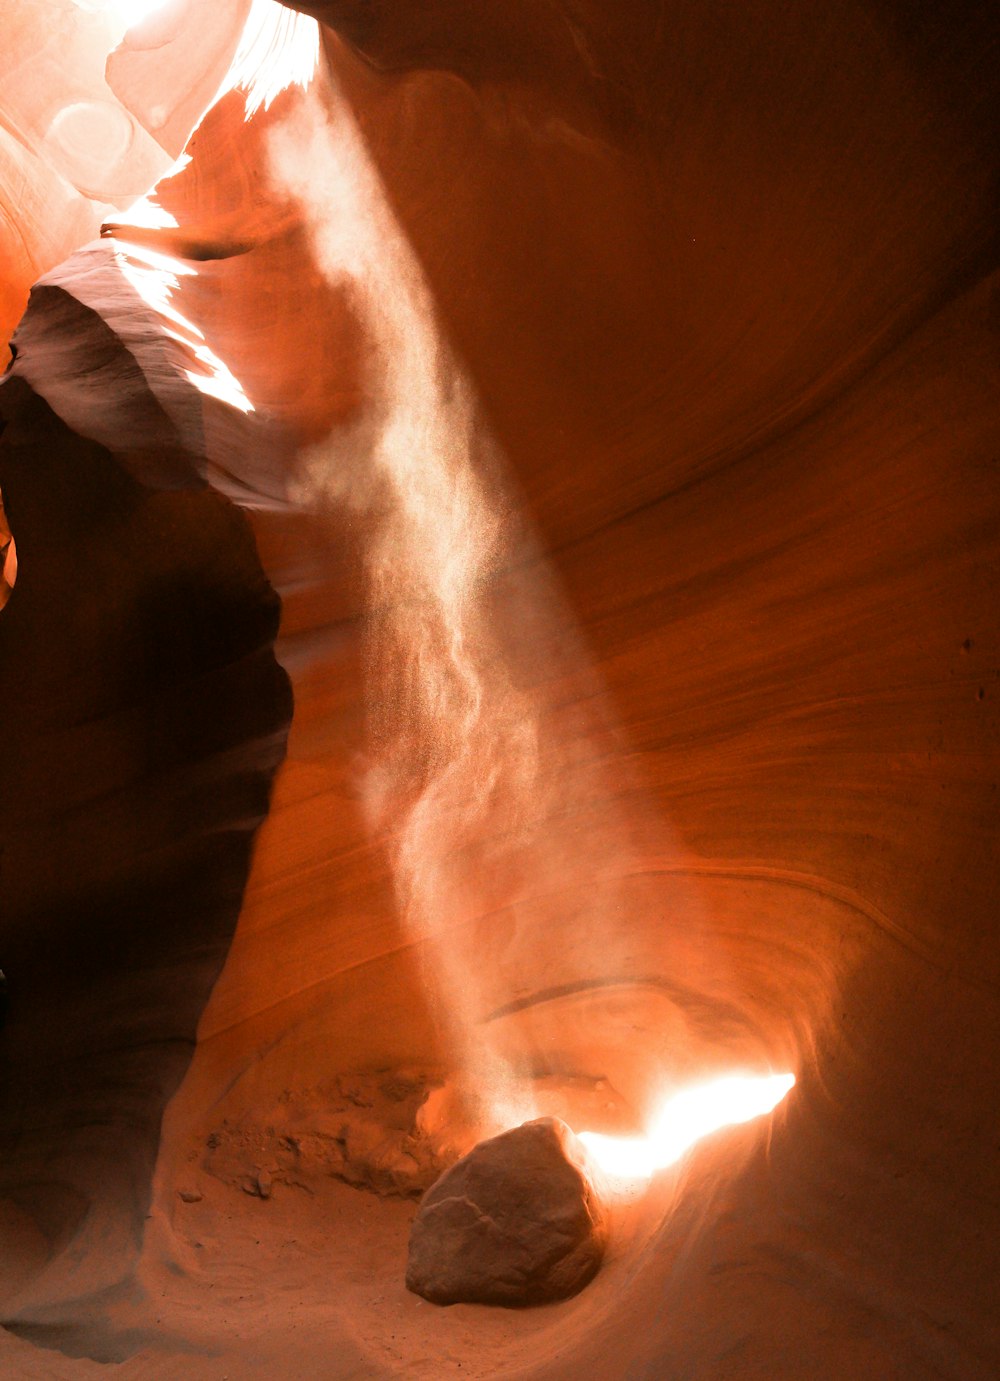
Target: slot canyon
[(499, 617)]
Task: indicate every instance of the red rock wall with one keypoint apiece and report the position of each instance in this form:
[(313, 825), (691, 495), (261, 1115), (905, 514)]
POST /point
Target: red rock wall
[(724, 282)]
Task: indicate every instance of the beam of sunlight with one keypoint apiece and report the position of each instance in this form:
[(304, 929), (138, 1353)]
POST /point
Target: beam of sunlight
[(684, 1119), (456, 741), (473, 769)]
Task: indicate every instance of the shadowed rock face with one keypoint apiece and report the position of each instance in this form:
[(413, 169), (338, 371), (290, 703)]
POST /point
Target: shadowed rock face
[(144, 716), (723, 280)]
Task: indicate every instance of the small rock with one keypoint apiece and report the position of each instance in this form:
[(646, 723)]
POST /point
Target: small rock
[(190, 1196), (514, 1222), (258, 1186)]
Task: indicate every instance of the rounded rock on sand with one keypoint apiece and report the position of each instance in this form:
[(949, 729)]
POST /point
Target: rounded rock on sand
[(515, 1222)]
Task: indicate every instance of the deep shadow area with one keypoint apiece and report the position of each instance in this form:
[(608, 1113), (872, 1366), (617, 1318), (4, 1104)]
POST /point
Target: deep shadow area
[(143, 718)]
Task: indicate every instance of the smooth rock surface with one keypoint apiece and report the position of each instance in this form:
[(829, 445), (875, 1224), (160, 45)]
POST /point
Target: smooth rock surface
[(514, 1222), (723, 279), (95, 104)]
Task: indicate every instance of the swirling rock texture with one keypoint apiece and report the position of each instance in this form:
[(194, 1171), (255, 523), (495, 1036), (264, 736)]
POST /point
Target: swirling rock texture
[(709, 292)]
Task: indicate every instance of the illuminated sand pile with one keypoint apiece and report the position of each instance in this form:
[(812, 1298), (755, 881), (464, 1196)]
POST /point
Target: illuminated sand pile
[(609, 399)]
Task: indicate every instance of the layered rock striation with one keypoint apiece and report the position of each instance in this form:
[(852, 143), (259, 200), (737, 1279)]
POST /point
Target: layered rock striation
[(722, 283)]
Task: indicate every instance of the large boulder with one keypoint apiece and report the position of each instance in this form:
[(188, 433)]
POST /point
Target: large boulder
[(514, 1222)]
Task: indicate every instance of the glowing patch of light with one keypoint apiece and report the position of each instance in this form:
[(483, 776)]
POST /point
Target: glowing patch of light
[(155, 277), (685, 1119), (278, 49), (127, 13), (133, 12), (147, 213)]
